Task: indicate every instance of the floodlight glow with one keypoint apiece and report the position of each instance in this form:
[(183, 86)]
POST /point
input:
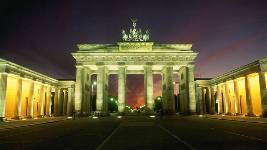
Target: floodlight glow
[(69, 117), (94, 83), (223, 115), (200, 115), (95, 117), (152, 116), (24, 119), (35, 118), (119, 117)]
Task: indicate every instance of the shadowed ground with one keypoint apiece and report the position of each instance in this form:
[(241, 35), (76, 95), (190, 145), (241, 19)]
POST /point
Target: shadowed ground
[(137, 132)]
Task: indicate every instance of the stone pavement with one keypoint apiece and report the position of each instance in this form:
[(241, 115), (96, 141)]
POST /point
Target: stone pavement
[(237, 118), (6, 125)]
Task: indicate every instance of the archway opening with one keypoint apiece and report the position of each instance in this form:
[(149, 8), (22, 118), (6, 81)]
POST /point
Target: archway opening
[(113, 93), (135, 91)]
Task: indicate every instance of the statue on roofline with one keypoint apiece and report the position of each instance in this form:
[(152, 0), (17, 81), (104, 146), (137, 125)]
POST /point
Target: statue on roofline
[(135, 34)]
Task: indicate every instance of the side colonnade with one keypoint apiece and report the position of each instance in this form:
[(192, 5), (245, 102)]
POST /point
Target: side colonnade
[(239, 92), (28, 94)]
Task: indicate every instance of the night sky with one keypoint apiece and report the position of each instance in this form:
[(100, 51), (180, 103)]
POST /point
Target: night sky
[(41, 34)]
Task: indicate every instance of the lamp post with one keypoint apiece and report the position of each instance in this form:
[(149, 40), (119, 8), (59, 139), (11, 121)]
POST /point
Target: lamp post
[(92, 95)]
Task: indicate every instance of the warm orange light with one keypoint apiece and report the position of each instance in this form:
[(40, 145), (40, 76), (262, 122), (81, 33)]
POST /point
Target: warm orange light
[(25, 101), (11, 96), (255, 94), (231, 98), (242, 96)]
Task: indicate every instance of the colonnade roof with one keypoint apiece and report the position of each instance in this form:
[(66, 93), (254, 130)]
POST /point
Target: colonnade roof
[(12, 68), (254, 67)]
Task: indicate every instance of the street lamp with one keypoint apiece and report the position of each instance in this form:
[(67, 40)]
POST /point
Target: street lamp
[(93, 84)]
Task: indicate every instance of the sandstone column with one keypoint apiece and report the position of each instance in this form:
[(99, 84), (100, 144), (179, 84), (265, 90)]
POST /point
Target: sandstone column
[(69, 105), (263, 93), (48, 101), (31, 99), (121, 88), (191, 89), (236, 93), (101, 97), (60, 102), (3, 86), (212, 102), (55, 101), (248, 97), (42, 100), (218, 98), (19, 98), (78, 89), (167, 92), (65, 101), (149, 102), (226, 98), (201, 100)]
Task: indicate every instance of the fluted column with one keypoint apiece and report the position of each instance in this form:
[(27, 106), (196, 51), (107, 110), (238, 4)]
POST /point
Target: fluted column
[(42, 99), (191, 89), (248, 97), (31, 98), (263, 92), (3, 86), (201, 101), (19, 98), (236, 93), (60, 102), (199, 98), (167, 92), (65, 101), (212, 100), (55, 101), (208, 100), (101, 97), (148, 87), (121, 88), (218, 99), (78, 88), (69, 105), (48, 101), (226, 98)]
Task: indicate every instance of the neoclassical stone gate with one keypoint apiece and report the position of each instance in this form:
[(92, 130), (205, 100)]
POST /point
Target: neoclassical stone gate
[(135, 54)]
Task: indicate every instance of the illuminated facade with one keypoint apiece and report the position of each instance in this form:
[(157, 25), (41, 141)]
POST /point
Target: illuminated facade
[(27, 94), (241, 91), (135, 55)]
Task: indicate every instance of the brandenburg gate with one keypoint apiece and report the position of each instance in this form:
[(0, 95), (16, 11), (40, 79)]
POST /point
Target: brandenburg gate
[(135, 54)]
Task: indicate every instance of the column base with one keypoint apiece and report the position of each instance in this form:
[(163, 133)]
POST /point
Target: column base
[(264, 114), (250, 115), (2, 119), (18, 117)]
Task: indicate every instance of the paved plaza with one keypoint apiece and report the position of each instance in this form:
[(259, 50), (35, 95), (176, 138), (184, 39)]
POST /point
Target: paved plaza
[(134, 132)]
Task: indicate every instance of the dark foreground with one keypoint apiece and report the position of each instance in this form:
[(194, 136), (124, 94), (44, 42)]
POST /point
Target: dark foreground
[(138, 132)]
